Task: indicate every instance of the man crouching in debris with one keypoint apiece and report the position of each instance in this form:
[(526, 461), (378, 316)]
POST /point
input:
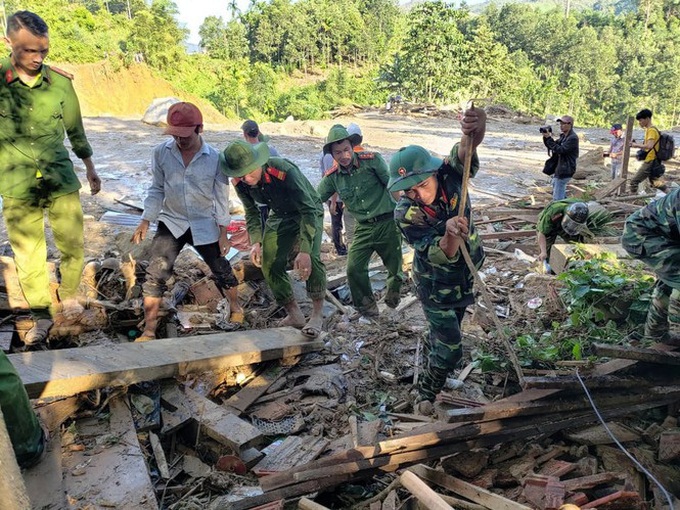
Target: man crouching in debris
[(572, 220), (652, 235), (296, 213), (189, 196), (427, 215)]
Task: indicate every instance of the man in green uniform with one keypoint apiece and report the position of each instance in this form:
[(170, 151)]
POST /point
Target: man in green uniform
[(296, 214), (25, 432), (37, 104), (652, 234), (360, 180), (427, 215)]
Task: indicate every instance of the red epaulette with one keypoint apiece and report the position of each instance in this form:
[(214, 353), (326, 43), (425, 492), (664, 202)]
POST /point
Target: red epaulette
[(366, 155), (61, 72), (275, 172), (334, 168), (235, 181)]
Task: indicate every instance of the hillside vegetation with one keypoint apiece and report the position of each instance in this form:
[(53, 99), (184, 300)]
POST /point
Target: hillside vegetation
[(304, 58)]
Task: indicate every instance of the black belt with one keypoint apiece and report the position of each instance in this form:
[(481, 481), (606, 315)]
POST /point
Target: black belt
[(381, 217)]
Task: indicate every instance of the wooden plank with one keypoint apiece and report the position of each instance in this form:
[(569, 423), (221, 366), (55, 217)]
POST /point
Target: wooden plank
[(44, 480), (289, 453), (467, 490), (256, 388), (508, 234), (429, 498), (308, 504), (639, 354), (67, 372), (609, 188), (214, 420), (115, 477), (54, 414), (560, 254), (6, 334)]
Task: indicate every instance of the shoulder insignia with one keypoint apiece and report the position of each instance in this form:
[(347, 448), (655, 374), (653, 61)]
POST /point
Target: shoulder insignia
[(453, 202), (275, 172), (9, 76), (366, 155), (334, 168), (61, 72)]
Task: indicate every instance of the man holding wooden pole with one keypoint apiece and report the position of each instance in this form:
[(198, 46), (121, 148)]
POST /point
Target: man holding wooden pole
[(431, 220)]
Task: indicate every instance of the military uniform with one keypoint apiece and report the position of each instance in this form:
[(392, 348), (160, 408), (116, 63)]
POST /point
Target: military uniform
[(652, 235), (363, 189), (550, 223), (23, 427), (296, 214), (36, 174), (444, 285)]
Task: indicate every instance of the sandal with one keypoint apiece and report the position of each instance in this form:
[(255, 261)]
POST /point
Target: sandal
[(311, 331), (237, 318), (145, 338)]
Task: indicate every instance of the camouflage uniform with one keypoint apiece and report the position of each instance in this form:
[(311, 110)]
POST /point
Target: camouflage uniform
[(550, 223), (295, 214), (651, 235), (444, 285)]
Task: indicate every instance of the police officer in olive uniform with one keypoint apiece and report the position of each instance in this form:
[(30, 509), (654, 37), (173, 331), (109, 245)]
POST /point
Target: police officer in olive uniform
[(37, 105), (427, 215), (296, 214), (360, 180), (652, 234)]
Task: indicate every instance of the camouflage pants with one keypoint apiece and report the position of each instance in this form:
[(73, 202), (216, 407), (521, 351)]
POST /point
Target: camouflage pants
[(663, 316), (442, 351)]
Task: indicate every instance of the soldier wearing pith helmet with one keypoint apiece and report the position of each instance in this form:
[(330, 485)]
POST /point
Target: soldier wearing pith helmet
[(360, 179), (296, 214), (427, 215)]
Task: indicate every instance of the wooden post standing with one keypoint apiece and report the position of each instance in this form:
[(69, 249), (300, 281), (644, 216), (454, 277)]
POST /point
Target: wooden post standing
[(626, 152)]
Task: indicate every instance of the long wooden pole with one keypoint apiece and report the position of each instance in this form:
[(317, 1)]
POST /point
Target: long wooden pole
[(467, 164), (422, 492), (626, 152)]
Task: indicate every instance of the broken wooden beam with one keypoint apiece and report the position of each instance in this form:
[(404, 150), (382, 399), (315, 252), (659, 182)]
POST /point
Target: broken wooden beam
[(67, 372), (308, 504), (214, 421), (508, 234), (429, 498), (572, 382), (638, 354)]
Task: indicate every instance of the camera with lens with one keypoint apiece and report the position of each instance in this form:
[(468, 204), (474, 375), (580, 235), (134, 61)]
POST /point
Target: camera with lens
[(545, 129)]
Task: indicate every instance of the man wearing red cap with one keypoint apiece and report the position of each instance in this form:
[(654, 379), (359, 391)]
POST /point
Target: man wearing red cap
[(189, 196)]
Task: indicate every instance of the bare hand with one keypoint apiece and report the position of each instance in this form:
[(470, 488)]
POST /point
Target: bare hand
[(94, 180), (474, 120), (303, 266), (333, 207), (140, 233), (224, 244), (457, 226), (256, 254)]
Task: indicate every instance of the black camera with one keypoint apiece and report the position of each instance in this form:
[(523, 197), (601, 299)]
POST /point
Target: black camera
[(545, 129)]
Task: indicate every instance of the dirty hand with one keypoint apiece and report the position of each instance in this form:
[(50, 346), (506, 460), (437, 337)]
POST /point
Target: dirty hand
[(457, 226), (303, 265), (140, 233), (224, 244), (256, 254), (473, 120), (94, 180)]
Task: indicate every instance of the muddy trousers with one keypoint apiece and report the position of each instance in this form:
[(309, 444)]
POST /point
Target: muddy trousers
[(25, 222), (442, 349), (336, 229), (383, 238), (663, 316), (165, 248), (279, 239), (22, 424)]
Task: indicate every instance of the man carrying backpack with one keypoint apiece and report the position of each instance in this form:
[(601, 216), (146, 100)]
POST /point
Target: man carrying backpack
[(651, 168)]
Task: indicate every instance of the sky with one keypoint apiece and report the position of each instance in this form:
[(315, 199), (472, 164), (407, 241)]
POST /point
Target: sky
[(193, 12)]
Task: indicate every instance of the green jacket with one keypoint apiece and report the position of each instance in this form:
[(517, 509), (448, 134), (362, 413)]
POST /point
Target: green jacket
[(652, 234), (290, 197), (362, 187), (441, 282), (32, 125), (550, 221)]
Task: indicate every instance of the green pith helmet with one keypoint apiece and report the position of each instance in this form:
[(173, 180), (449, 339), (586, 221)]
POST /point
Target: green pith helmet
[(411, 165), (338, 133), (241, 158)]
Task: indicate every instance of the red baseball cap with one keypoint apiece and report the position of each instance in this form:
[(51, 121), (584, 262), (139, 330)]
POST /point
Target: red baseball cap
[(183, 118)]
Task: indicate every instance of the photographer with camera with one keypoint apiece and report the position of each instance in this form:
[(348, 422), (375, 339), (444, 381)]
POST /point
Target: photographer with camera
[(563, 153), (651, 167)]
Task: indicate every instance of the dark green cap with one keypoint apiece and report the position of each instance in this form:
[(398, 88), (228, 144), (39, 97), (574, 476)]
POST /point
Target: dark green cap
[(411, 165), (241, 158)]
